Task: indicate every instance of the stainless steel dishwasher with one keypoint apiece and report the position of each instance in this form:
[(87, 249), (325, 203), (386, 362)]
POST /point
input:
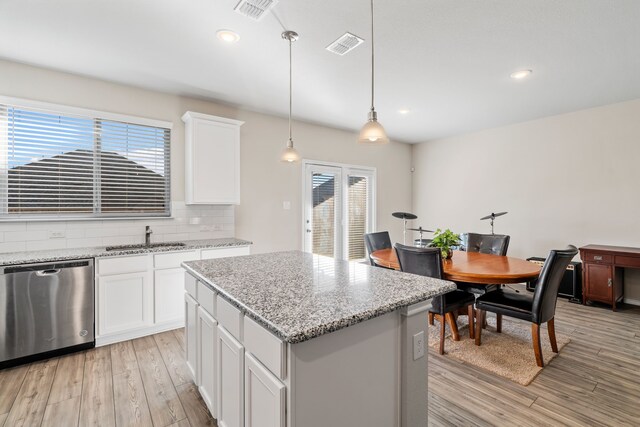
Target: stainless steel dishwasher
[(45, 310)]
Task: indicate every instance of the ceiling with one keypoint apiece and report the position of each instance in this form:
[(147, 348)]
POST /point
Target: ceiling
[(448, 62)]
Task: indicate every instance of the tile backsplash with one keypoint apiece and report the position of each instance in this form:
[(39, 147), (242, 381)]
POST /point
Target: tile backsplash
[(187, 223)]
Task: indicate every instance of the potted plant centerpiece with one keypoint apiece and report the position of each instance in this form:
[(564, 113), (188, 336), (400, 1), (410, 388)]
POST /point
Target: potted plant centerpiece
[(445, 240)]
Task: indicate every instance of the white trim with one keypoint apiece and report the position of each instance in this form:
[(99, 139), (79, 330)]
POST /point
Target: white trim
[(84, 112), (631, 301), (417, 308), (190, 115), (138, 333)]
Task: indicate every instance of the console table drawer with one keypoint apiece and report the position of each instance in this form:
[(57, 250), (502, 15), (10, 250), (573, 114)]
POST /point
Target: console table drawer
[(627, 261), (599, 258)]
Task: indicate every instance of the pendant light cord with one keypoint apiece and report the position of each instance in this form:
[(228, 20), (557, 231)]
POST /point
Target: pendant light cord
[(290, 91), (372, 60)]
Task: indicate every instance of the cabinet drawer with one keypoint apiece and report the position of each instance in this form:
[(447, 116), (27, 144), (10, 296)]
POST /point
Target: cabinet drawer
[(173, 259), (190, 285), (229, 317), (627, 261), (207, 298), (265, 346), (122, 265), (224, 252), (599, 258)]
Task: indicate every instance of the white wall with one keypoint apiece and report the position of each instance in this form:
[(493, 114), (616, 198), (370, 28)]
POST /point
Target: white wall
[(572, 178), (265, 182)]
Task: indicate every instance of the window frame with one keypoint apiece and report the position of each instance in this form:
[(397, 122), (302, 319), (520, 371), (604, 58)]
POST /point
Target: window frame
[(59, 109)]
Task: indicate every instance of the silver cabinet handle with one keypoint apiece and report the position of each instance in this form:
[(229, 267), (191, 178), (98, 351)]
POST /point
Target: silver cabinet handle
[(609, 282), (597, 258)]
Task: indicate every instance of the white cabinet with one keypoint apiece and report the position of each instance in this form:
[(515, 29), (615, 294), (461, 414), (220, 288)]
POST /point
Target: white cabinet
[(207, 337), (169, 287), (123, 302), (191, 335), (264, 396), (230, 389), (212, 159)]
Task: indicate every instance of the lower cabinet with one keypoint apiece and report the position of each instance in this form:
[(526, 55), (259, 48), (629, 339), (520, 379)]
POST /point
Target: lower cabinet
[(123, 302), (599, 281), (206, 372), (191, 335), (230, 388), (264, 396), (169, 287)]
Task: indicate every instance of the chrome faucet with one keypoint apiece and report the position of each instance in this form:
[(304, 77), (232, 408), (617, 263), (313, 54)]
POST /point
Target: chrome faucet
[(147, 235)]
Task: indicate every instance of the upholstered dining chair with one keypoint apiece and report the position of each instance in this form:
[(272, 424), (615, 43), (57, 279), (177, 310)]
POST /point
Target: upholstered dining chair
[(377, 241), (538, 308), (428, 262), (493, 244)]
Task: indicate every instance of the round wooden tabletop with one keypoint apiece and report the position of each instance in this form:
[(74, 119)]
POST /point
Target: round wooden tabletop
[(473, 267)]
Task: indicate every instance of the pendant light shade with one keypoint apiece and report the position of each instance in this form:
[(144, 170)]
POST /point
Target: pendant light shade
[(373, 132), (290, 154)]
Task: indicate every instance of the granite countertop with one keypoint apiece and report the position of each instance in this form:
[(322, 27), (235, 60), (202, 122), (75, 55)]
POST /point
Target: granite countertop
[(29, 257), (299, 296)]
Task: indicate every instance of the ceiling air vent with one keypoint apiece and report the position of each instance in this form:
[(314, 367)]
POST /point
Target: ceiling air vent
[(254, 9), (345, 44)]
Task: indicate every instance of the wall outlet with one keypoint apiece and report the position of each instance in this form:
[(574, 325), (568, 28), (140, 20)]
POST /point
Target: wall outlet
[(57, 234), (418, 345), (286, 205)]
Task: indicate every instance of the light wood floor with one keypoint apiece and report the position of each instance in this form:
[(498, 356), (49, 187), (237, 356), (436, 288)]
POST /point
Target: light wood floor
[(594, 381)]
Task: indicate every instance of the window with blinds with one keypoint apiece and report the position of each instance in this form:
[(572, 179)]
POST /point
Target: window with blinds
[(65, 165), (357, 204)]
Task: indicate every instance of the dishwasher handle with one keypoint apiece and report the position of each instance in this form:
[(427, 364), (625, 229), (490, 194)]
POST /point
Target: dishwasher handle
[(50, 272)]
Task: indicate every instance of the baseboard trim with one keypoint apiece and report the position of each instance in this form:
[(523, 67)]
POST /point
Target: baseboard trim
[(138, 333), (631, 301)]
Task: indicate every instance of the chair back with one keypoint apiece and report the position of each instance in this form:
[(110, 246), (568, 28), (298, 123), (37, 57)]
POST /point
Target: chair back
[(422, 261), (494, 244), (376, 241), (546, 293)]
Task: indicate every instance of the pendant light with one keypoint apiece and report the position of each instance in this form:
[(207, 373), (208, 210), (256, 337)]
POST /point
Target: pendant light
[(289, 154), (372, 132)]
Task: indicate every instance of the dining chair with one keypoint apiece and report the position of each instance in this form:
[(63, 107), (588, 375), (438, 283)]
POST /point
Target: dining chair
[(377, 241), (538, 308), (428, 262)]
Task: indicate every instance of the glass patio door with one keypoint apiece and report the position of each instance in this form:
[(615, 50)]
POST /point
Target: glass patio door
[(338, 210)]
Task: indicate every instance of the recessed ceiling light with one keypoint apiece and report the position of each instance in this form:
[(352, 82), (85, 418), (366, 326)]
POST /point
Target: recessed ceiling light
[(228, 36), (404, 111), (521, 74)]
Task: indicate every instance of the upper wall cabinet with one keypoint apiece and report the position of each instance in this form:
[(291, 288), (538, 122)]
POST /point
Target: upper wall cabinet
[(212, 160)]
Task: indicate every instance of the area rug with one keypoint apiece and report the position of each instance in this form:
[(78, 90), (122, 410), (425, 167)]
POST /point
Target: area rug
[(508, 354)]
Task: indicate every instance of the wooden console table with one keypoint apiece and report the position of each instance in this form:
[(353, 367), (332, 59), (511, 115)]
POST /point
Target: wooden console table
[(603, 275)]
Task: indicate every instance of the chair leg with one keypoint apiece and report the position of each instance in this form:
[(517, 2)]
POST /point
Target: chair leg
[(479, 318), (552, 335), (431, 317), (472, 325), (484, 321), (442, 330), (537, 347), (453, 325), (498, 323)]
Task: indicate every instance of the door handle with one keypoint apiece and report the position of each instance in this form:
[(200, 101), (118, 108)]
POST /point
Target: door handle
[(308, 230), (48, 272), (609, 282)]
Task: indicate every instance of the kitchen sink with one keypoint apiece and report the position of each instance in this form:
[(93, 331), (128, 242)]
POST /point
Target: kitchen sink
[(143, 246)]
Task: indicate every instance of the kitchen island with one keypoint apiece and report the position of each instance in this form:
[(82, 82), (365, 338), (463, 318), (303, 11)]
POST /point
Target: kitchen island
[(295, 339)]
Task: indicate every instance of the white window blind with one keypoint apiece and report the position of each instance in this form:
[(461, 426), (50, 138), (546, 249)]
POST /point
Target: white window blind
[(357, 203), (67, 165)]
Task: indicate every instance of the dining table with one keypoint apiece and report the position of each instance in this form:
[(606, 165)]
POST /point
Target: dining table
[(470, 267)]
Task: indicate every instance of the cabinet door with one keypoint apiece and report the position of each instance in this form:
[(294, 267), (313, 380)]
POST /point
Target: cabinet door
[(207, 338), (599, 282), (230, 380), (124, 302), (215, 163), (191, 334), (169, 287), (264, 396)]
